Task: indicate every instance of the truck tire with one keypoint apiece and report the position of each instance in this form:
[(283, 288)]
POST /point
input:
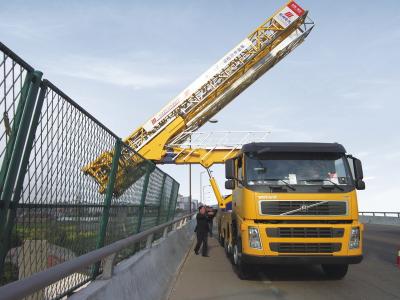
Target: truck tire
[(243, 269), (335, 271), (226, 248)]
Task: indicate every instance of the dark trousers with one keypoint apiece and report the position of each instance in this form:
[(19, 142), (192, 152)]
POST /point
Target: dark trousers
[(202, 238)]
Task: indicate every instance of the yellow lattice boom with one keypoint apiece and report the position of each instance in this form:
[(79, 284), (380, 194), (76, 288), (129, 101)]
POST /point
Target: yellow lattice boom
[(211, 92)]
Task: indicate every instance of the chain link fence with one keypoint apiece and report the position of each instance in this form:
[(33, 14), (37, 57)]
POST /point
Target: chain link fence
[(50, 209)]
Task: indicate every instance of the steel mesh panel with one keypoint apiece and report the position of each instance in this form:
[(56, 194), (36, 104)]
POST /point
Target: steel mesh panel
[(154, 188), (153, 199), (173, 199), (164, 206), (59, 211), (124, 210), (125, 217), (62, 212), (13, 81)]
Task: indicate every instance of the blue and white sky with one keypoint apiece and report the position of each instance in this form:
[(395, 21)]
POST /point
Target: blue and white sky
[(124, 60)]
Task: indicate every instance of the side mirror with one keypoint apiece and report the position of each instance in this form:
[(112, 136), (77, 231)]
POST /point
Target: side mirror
[(360, 184), (356, 168), (358, 171), (230, 184), (230, 169)]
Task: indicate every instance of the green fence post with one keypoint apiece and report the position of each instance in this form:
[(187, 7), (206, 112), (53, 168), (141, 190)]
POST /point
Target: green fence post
[(161, 199), (107, 201), (143, 199), (10, 217), (14, 164), (14, 130), (11, 142)]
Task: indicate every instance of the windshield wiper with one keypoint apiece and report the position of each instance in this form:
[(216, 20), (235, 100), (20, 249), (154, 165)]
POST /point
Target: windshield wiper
[(287, 184), (334, 183)]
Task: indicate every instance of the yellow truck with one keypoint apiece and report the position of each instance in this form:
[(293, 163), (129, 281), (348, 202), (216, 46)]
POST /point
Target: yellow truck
[(292, 203)]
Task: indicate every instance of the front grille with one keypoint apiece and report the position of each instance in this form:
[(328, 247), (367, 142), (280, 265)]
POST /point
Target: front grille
[(305, 247), (303, 208), (305, 232), (291, 221)]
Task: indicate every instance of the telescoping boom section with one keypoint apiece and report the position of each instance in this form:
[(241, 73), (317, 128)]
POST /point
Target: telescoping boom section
[(209, 93)]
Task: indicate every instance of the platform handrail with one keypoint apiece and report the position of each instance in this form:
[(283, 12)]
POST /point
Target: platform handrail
[(25, 287)]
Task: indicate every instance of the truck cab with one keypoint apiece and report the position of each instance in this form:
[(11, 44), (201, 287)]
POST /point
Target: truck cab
[(293, 203)]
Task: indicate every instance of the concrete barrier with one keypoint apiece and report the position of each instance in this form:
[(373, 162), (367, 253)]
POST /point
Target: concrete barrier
[(380, 220), (146, 275)]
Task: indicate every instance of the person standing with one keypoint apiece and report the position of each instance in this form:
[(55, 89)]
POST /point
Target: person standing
[(202, 229)]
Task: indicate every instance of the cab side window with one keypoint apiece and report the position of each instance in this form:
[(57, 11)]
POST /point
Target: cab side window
[(351, 164), (239, 169)]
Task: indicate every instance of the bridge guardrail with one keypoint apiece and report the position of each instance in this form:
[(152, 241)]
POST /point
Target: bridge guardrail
[(50, 211), (38, 281), (380, 214)]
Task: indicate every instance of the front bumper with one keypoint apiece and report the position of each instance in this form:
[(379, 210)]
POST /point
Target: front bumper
[(297, 236), (298, 259)]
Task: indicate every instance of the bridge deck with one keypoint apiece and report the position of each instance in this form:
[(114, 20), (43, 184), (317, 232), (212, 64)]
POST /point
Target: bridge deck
[(377, 277)]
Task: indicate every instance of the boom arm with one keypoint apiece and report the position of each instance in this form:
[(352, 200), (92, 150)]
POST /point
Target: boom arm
[(214, 89)]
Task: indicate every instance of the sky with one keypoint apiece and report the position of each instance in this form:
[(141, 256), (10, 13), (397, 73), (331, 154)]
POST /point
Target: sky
[(124, 60)]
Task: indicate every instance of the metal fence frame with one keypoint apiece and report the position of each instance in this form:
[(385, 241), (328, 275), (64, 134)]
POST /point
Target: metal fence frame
[(24, 95)]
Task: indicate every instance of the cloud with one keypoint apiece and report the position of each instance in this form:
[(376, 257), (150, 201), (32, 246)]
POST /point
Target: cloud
[(26, 27), (377, 81), (18, 30), (373, 106), (362, 154), (127, 72), (391, 37), (392, 155), (117, 75), (351, 95), (289, 134), (300, 63)]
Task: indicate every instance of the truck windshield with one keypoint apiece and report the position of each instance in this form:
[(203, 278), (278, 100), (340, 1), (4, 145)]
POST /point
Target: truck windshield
[(329, 170)]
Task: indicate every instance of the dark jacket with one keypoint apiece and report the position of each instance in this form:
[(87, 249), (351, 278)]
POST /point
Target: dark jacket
[(202, 223), (211, 215)]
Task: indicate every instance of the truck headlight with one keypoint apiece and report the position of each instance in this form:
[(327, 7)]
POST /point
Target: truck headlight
[(354, 238), (254, 238)]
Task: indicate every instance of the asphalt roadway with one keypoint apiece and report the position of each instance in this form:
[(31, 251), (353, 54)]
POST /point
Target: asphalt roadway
[(376, 277)]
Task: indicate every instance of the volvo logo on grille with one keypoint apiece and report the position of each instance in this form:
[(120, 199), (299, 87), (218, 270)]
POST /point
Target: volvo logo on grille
[(304, 207)]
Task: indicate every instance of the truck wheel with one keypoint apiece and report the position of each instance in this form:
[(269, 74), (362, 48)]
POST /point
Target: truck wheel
[(335, 271), (242, 268), (226, 247)]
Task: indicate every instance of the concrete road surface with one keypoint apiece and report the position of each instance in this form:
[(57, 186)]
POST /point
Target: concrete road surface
[(377, 277)]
